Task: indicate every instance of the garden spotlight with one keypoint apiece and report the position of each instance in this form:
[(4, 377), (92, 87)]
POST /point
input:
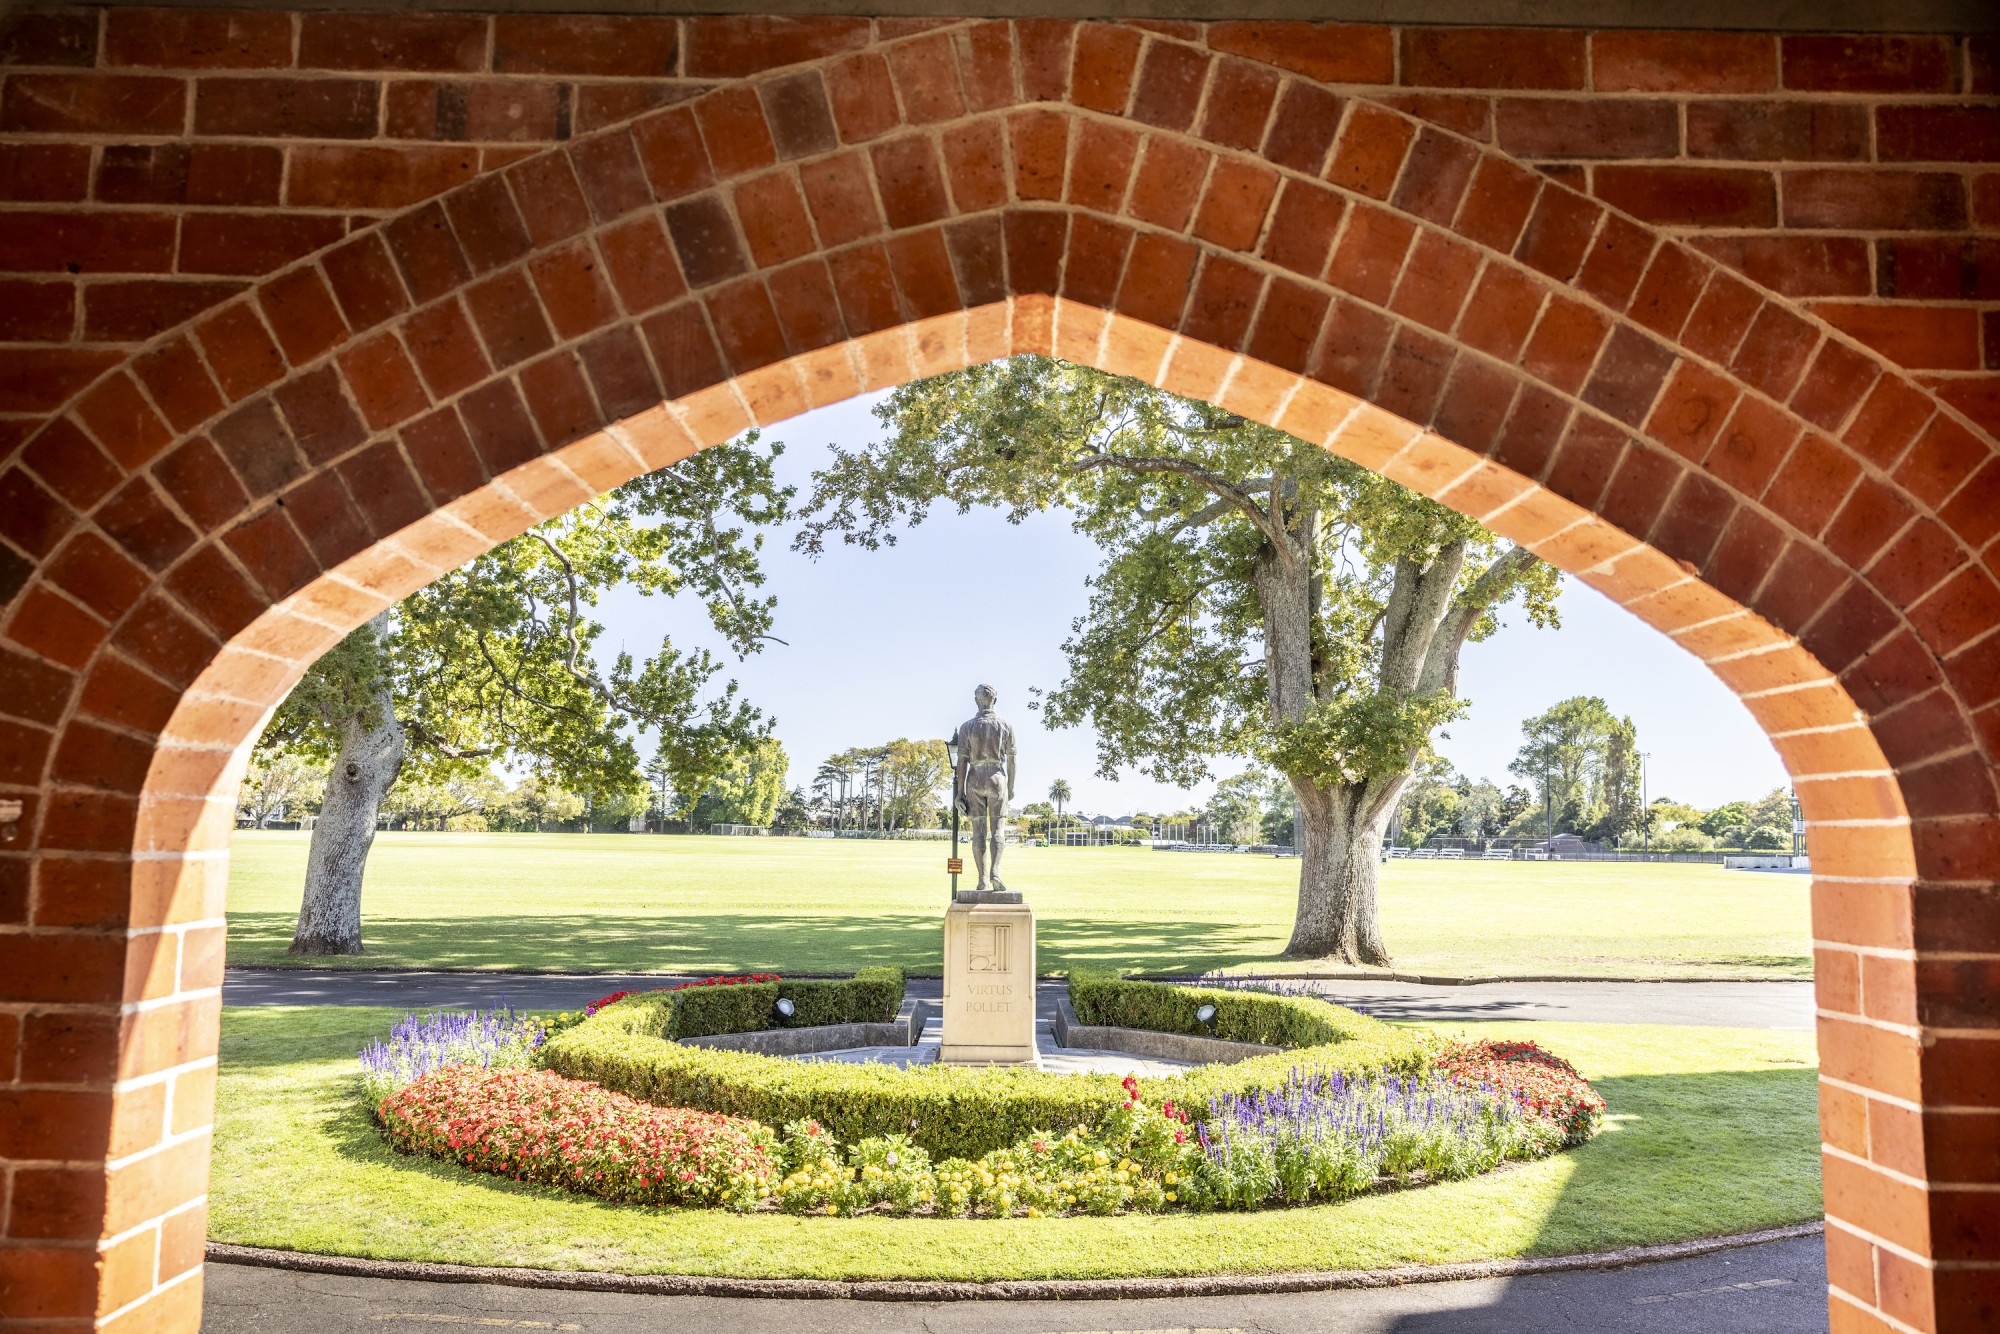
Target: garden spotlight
[(785, 1008), (1205, 1016)]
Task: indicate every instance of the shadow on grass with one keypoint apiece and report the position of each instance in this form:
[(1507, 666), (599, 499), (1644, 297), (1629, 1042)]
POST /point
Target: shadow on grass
[(1687, 1156), (1799, 963), (728, 942)]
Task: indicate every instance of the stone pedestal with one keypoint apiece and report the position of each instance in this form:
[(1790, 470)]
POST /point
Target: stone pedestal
[(989, 984)]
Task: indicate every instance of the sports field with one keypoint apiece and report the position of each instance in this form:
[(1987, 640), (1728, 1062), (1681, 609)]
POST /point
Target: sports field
[(700, 904)]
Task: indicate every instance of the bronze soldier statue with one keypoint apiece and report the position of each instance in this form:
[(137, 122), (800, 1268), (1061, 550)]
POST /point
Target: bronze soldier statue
[(983, 784)]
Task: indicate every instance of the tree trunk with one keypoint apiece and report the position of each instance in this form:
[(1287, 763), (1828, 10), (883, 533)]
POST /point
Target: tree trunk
[(1337, 831), (1338, 861), (369, 760)]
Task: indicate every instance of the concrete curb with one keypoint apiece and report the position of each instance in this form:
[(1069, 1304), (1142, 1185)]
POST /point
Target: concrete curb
[(1195, 1049), (1007, 1290), (902, 1031)]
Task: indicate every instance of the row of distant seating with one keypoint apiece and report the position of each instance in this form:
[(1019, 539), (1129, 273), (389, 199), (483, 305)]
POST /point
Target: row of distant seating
[(1453, 854)]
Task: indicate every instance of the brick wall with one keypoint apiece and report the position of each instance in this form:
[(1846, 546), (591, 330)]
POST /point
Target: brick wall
[(155, 160), (825, 207)]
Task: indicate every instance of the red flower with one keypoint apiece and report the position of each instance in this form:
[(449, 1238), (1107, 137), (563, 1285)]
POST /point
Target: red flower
[(1544, 1085), (534, 1125)]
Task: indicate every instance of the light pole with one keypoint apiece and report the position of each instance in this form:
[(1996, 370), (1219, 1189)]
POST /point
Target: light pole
[(1549, 804), (1645, 811), (953, 865)]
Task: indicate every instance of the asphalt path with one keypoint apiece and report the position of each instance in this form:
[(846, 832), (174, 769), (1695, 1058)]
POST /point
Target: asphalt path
[(1775, 1288), (1786, 1005)]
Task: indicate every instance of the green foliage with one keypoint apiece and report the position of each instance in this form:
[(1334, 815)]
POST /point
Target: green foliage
[(1101, 997), (533, 803), (1617, 809), (1221, 537), (893, 1172), (1769, 838), (947, 1110), (1060, 793), (455, 800), (1584, 757), (1355, 737), (871, 996), (1665, 810), (748, 792), (1683, 838), (1189, 503), (280, 787), (793, 814), (497, 660), (1236, 811), (700, 1012), (1716, 1131), (1433, 802), (899, 784), (951, 1111), (1727, 822)]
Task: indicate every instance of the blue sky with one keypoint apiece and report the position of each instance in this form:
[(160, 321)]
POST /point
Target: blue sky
[(890, 643)]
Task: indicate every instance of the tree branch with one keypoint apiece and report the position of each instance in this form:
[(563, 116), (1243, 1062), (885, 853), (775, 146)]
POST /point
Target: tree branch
[(1236, 496), (423, 736), (1417, 609), (1483, 592)]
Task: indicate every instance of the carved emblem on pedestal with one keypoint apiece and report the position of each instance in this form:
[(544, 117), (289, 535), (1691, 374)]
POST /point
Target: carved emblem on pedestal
[(986, 949)]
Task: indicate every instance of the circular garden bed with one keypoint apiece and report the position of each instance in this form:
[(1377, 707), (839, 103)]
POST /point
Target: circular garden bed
[(609, 1102)]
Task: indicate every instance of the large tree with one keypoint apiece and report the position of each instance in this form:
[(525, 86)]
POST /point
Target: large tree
[(1258, 597), (279, 786), (495, 662), (748, 791), (1583, 761), (916, 776), (1060, 793)]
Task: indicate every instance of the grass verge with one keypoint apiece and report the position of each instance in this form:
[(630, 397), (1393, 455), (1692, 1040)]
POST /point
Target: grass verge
[(734, 905), (1710, 1131)]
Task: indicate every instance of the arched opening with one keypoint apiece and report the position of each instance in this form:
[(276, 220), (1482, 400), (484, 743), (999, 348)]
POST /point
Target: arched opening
[(1696, 449)]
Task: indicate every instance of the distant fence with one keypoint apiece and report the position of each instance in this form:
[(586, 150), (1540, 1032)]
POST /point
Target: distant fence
[(1465, 855), (916, 834), (1252, 849), (1537, 855)]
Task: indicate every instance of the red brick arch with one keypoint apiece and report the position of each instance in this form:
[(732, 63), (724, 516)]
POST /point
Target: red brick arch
[(206, 518)]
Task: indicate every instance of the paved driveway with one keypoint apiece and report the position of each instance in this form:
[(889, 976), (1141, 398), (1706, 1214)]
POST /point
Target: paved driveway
[(1777, 1288), (1724, 1004)]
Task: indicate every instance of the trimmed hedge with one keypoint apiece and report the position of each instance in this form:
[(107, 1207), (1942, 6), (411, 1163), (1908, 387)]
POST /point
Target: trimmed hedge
[(1102, 997), (950, 1112), (871, 996)]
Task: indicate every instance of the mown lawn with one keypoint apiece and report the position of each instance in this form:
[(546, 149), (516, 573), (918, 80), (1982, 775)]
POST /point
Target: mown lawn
[(699, 904), (1710, 1131)]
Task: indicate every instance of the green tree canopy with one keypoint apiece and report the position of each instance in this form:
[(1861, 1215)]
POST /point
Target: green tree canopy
[(1584, 759), (1259, 597), (749, 790), (499, 662)]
